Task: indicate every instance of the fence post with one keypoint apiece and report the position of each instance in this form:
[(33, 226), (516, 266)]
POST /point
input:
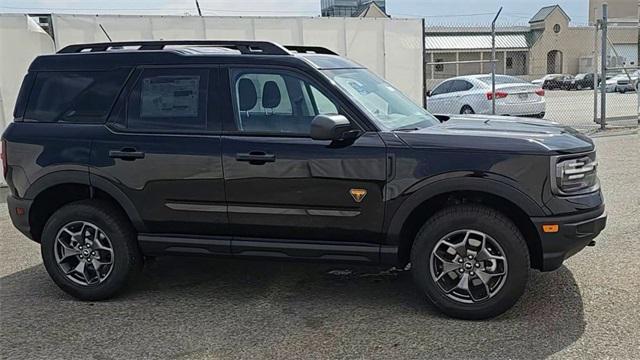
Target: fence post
[(493, 62), (603, 68), (595, 72)]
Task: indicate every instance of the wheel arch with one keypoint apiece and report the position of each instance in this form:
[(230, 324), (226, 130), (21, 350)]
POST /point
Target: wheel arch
[(55, 190), (423, 204)]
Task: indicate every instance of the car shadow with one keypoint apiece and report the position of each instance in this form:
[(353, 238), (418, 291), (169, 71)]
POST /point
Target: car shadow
[(194, 307)]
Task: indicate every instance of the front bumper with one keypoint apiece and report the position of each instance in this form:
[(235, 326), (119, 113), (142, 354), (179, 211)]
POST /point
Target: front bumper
[(574, 233), (20, 220)]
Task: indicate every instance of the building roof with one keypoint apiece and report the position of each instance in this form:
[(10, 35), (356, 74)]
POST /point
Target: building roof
[(543, 13), (475, 42), (474, 30)]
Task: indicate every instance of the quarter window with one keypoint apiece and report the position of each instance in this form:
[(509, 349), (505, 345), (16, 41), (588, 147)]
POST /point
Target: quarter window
[(275, 102), (169, 99), (79, 96)]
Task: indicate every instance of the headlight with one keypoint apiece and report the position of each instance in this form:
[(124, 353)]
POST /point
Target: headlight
[(574, 175)]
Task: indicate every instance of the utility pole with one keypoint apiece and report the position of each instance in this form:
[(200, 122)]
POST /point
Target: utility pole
[(493, 62)]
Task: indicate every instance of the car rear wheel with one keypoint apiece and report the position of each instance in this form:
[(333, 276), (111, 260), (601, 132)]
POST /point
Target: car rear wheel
[(470, 261), (467, 110), (89, 250)]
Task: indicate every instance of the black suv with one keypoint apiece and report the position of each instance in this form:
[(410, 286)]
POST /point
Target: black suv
[(121, 151)]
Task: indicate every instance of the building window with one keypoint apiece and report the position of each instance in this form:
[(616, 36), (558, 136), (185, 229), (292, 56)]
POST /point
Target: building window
[(439, 68), (509, 63), (556, 28)]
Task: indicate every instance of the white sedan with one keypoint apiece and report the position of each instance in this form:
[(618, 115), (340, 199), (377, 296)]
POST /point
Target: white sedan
[(472, 94)]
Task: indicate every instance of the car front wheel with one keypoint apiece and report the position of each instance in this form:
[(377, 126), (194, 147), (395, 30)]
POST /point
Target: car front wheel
[(89, 250), (470, 261)]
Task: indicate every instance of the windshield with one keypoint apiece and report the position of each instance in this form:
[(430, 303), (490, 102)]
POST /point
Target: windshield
[(502, 79), (388, 107)]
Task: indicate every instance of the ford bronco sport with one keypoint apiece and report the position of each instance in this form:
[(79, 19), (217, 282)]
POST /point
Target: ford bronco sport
[(245, 149)]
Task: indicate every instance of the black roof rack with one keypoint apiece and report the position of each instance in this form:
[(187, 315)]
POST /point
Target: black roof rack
[(309, 50), (245, 47)]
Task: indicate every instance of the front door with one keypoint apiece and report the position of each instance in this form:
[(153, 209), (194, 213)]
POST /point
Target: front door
[(439, 101), (162, 150), (281, 185)]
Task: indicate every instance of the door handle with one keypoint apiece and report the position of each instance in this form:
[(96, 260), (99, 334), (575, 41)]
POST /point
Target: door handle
[(128, 154), (256, 157)]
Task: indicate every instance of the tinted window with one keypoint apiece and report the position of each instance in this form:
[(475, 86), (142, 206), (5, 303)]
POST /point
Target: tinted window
[(277, 102), (74, 96), (169, 99), (442, 88), (460, 85)]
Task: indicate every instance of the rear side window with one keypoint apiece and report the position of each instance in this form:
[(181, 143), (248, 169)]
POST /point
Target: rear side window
[(74, 96), (460, 85), (169, 99)]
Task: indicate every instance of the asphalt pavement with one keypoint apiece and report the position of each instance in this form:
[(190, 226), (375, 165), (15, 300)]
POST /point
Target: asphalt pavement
[(200, 308)]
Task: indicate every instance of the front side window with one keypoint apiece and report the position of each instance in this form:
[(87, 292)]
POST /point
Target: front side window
[(74, 96), (277, 102), (443, 88), (169, 99), (387, 106)]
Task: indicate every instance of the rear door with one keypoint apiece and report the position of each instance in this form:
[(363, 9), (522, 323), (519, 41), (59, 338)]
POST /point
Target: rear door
[(162, 150), (284, 187)]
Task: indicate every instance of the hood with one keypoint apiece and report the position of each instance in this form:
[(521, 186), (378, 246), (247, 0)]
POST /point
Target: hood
[(500, 133)]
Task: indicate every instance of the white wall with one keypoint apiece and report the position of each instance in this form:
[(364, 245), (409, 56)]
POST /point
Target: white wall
[(21, 40), (390, 47)]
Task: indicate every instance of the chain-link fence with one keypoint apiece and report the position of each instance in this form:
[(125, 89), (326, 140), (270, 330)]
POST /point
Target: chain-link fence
[(549, 68)]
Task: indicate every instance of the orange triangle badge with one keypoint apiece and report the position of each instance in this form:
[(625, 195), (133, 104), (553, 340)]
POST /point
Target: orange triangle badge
[(358, 194)]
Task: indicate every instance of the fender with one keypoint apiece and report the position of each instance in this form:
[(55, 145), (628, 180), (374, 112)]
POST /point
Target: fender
[(84, 178), (439, 187), (56, 178)]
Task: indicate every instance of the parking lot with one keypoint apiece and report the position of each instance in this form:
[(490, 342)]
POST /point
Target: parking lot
[(575, 108), (195, 308)]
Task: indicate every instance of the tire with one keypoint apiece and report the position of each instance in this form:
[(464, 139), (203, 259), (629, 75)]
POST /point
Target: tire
[(113, 242), (467, 110), (506, 290)]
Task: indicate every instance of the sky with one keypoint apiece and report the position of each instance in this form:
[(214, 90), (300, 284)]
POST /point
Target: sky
[(436, 12)]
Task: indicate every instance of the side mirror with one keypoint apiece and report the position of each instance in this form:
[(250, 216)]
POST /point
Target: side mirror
[(428, 93), (329, 127)]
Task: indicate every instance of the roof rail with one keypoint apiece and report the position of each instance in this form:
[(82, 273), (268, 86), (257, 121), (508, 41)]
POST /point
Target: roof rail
[(245, 47), (309, 50)]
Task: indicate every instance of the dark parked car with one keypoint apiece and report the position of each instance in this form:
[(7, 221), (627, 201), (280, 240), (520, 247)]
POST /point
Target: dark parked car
[(251, 149), (579, 82), (555, 82)]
